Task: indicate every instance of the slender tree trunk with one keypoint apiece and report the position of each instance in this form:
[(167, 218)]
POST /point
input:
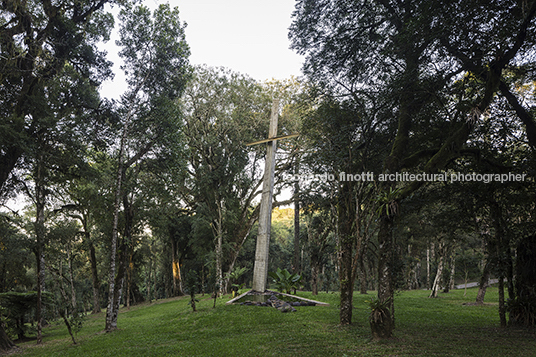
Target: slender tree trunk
[(427, 268), (95, 279), (71, 277), (217, 227), (39, 307), (385, 258), (314, 278), (345, 219), (66, 321), (452, 271), (483, 284), (110, 312), (177, 278), (362, 275), (148, 281), (510, 275), (129, 281), (155, 291), (296, 261), (502, 308), (346, 283), (40, 196), (417, 276), (437, 280)]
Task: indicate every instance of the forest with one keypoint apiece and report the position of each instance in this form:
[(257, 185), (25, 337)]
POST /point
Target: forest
[(414, 168)]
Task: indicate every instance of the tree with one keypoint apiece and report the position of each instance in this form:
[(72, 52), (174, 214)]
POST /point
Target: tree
[(407, 53), (83, 199), (340, 143), (319, 245), (38, 41), (156, 61), (223, 112)]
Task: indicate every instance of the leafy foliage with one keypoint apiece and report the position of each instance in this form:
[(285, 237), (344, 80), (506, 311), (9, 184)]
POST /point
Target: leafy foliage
[(18, 306), (285, 281)]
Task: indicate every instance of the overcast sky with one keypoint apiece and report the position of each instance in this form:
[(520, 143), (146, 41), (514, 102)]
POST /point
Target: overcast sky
[(247, 36)]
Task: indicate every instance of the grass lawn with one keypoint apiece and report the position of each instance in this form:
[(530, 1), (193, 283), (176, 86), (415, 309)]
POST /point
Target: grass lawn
[(424, 327)]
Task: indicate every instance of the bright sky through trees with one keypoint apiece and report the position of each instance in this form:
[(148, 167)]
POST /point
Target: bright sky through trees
[(247, 36)]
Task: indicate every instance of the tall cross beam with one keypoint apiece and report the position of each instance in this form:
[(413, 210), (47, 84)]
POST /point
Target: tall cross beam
[(260, 269)]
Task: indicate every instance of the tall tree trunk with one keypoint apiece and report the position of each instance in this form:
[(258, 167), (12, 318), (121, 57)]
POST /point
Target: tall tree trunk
[(129, 281), (314, 278), (155, 291), (296, 262), (218, 229), (417, 276), (484, 279), (502, 308), (510, 275), (121, 167), (110, 312), (362, 274), (452, 271), (427, 268), (385, 258), (502, 254), (346, 215), (176, 268), (95, 279), (439, 275), (40, 197), (71, 277)]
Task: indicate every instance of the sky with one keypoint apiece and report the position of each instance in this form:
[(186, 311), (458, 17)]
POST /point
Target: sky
[(246, 36)]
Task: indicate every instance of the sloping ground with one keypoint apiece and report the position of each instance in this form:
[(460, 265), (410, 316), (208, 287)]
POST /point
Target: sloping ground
[(425, 327)]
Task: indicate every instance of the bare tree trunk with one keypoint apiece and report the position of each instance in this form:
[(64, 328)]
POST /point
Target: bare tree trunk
[(345, 277), (155, 291), (427, 268), (95, 279), (502, 309), (362, 275), (385, 278), (129, 281), (452, 271), (484, 280), (66, 321), (148, 281), (110, 312), (346, 214), (40, 196), (218, 229), (314, 279), (296, 262), (71, 277), (175, 264), (437, 280)]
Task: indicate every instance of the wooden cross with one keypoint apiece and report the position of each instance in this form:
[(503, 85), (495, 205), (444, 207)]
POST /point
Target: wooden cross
[(260, 269)]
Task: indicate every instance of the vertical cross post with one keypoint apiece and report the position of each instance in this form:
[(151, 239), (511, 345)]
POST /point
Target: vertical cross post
[(260, 270)]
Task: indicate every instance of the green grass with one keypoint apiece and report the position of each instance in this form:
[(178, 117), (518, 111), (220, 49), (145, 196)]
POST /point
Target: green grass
[(424, 327)]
